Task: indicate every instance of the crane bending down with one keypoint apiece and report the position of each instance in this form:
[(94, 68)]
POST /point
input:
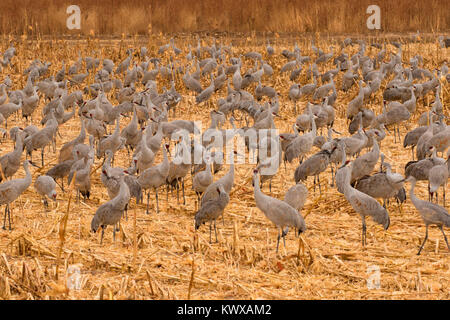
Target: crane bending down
[(363, 204), (278, 211)]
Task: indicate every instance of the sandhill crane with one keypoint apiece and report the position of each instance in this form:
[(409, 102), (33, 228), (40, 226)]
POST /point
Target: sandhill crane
[(110, 212), (431, 213), (277, 211), (322, 91), (438, 176), (355, 143), (11, 190), (154, 177), (301, 145), (356, 104), (294, 95), (179, 167), (113, 142), (206, 93), (364, 165), (269, 49), (394, 116), (45, 187), (42, 138), (384, 185), (203, 179), (145, 157), (10, 162), (364, 204), (296, 196), (8, 109), (313, 166), (212, 209), (441, 140), (227, 181), (65, 153), (423, 143), (412, 137), (83, 178), (132, 133)]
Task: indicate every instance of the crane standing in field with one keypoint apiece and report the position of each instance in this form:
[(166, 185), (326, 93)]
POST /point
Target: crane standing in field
[(278, 212), (11, 190), (211, 210), (364, 204), (431, 213)]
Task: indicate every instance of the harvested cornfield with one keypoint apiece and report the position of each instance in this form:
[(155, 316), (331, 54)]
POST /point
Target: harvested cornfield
[(52, 254)]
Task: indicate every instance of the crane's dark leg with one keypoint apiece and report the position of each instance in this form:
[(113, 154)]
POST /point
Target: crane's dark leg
[(114, 233), (148, 200), (215, 230), (332, 175), (424, 240), (283, 234), (157, 205), (443, 195), (184, 197), (42, 156), (364, 229), (278, 239), (210, 226), (178, 191), (103, 233), (445, 237), (4, 218), (318, 181)]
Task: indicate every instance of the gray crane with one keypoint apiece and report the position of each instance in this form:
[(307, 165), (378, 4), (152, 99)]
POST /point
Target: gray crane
[(132, 133), (110, 212), (364, 204), (45, 187), (278, 212), (155, 177), (113, 142), (65, 153), (384, 185), (211, 210), (203, 179), (301, 145), (431, 213), (10, 162), (364, 165), (227, 181), (313, 166), (296, 196), (42, 138), (11, 190), (438, 176), (179, 167)]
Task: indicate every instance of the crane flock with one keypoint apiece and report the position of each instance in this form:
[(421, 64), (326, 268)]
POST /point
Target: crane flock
[(232, 87)]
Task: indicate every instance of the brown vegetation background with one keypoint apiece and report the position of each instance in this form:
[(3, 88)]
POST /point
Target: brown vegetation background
[(115, 17)]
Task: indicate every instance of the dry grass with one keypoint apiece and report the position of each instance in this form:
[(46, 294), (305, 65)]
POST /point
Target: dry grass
[(169, 260), (135, 16)]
